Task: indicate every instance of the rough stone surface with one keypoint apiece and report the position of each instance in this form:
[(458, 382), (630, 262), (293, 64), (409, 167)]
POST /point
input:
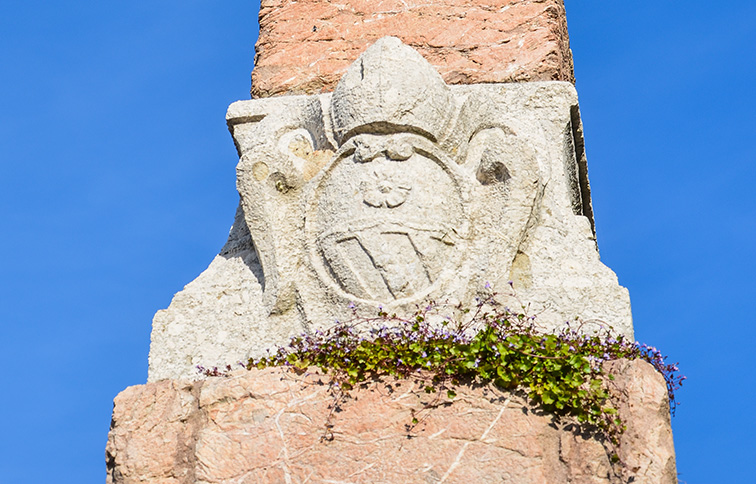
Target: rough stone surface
[(305, 46), (270, 426), (394, 190)]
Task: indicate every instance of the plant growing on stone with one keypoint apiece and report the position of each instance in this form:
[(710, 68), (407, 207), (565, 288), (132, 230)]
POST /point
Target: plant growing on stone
[(563, 373)]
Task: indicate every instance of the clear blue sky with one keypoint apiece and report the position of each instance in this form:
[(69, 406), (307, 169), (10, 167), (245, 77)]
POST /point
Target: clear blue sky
[(117, 188)]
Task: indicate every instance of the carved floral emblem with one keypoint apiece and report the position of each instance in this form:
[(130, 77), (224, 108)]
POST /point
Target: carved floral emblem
[(381, 229), (384, 189)]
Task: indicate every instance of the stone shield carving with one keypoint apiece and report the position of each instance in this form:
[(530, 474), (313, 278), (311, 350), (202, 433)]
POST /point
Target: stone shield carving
[(394, 190), (386, 219)]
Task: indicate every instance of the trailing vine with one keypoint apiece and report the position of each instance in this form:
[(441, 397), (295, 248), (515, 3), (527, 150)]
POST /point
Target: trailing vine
[(561, 372)]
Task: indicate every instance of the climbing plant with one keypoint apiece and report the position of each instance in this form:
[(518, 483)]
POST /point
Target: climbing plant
[(563, 372)]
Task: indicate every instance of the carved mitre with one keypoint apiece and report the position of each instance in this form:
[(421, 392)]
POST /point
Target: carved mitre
[(385, 219), (390, 89)]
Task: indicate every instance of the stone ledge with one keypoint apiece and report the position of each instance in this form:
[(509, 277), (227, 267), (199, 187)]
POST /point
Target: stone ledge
[(267, 426), (304, 47)]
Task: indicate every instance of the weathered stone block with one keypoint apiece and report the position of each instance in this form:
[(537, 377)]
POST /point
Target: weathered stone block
[(306, 46), (392, 191), (270, 426)]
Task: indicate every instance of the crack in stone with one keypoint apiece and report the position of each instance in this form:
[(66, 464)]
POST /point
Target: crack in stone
[(467, 444)]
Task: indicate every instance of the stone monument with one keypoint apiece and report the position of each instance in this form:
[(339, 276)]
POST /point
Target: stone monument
[(395, 152), (394, 190)]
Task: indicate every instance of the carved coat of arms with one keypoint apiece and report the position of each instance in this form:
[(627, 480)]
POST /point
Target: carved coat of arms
[(394, 190), (370, 194)]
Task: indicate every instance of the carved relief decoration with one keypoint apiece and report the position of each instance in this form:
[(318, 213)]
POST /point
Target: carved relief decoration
[(394, 190)]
